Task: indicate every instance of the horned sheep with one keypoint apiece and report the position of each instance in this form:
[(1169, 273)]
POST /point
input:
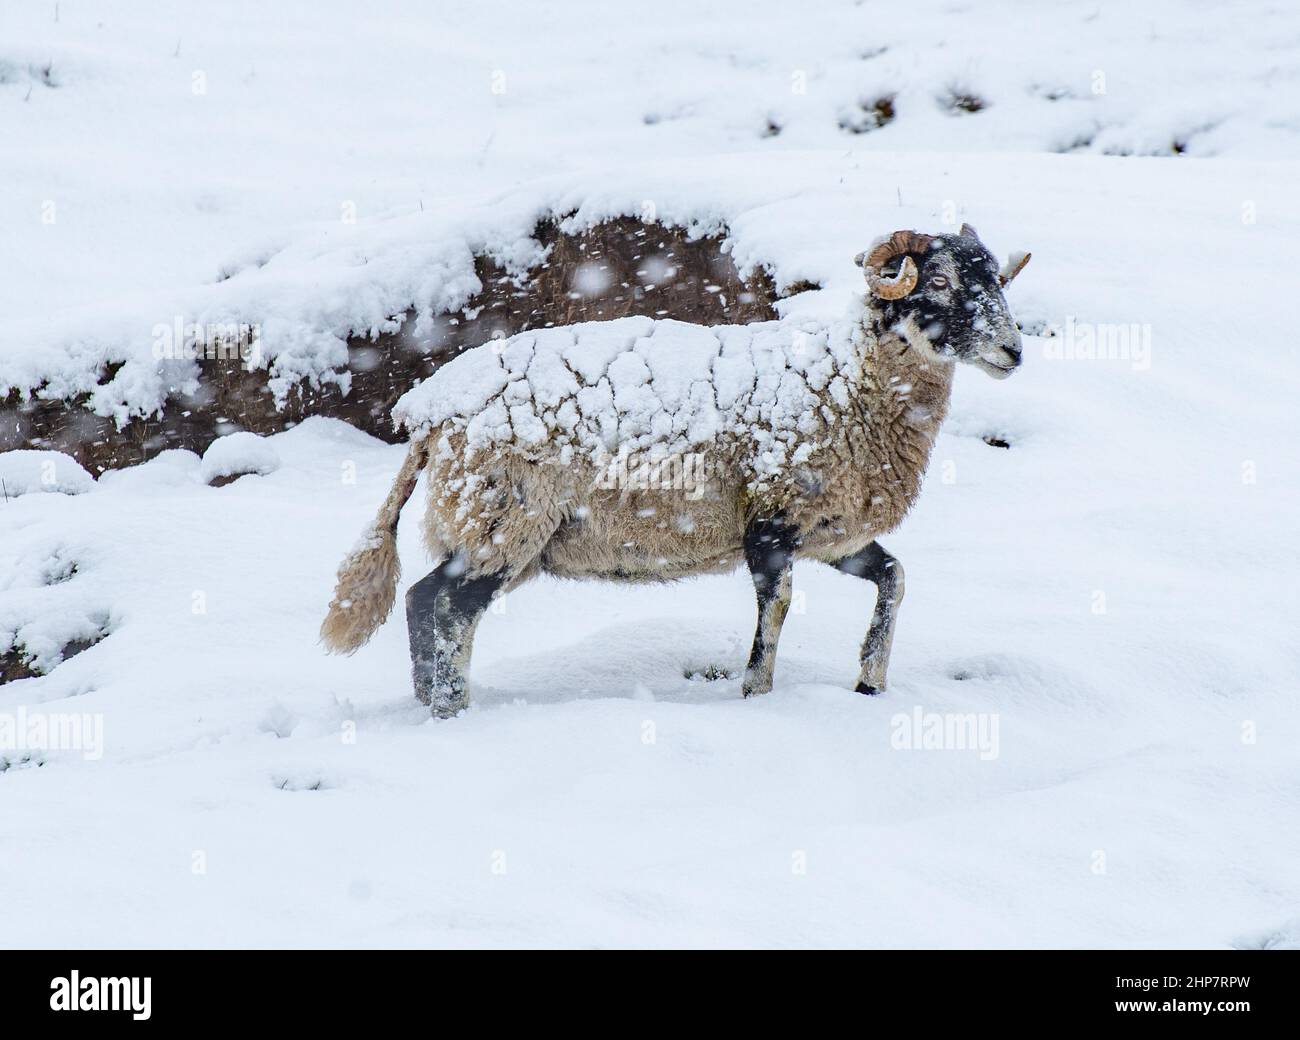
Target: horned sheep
[(649, 450)]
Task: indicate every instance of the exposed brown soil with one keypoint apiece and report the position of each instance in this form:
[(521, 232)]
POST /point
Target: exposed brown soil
[(14, 666), (618, 268)]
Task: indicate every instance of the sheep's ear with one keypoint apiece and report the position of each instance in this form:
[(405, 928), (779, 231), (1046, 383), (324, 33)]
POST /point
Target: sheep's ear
[(970, 232), (1014, 265), (860, 258)]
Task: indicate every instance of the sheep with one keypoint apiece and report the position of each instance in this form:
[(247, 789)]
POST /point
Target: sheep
[(645, 450)]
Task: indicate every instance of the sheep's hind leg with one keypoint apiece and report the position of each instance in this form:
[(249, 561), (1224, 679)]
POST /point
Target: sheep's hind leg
[(769, 551), (876, 565), (442, 611)]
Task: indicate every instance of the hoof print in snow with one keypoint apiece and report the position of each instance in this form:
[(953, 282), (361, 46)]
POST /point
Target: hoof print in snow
[(1078, 143), (1054, 92), (978, 670), (27, 760), (58, 569), (994, 441), (302, 782), (237, 455), (1284, 937), (709, 673), (51, 566), (280, 721)]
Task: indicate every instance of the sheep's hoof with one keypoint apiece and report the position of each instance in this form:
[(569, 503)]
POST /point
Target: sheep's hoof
[(870, 691), (448, 708), (748, 691), (443, 704)]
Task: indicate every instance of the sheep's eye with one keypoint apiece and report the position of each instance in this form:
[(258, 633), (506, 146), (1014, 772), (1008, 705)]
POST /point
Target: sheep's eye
[(938, 282)]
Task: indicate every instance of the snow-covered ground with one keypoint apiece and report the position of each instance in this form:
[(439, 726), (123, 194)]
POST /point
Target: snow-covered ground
[(1110, 599)]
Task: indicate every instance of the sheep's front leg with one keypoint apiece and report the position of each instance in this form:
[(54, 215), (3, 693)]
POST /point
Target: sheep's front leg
[(769, 551), (442, 611), (876, 565)]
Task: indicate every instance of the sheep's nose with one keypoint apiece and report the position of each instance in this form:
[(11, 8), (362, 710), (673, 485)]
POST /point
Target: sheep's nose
[(1011, 345)]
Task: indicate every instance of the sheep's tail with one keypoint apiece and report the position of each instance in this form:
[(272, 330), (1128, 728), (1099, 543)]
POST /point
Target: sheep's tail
[(367, 584)]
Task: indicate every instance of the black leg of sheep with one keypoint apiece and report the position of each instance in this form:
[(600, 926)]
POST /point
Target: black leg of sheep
[(442, 611), (769, 550), (876, 565)]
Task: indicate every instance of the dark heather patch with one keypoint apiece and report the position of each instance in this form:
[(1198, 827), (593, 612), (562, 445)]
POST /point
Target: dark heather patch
[(705, 288), (801, 286), (15, 664), (869, 115), (229, 478), (962, 102), (710, 673)]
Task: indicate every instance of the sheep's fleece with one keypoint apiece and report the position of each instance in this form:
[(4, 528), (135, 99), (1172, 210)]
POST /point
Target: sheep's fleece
[(636, 385)]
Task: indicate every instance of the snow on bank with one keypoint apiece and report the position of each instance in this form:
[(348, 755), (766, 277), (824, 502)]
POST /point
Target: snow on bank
[(221, 177), (29, 472), (802, 215), (237, 454)]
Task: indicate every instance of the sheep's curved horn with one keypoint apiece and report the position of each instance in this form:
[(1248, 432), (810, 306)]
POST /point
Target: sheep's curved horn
[(1014, 265), (900, 243), (897, 287)]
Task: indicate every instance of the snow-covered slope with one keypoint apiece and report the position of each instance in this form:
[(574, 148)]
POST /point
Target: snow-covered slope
[(153, 152), (1108, 600)]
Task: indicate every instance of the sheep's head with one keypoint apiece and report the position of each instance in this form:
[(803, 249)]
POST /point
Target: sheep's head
[(943, 295)]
